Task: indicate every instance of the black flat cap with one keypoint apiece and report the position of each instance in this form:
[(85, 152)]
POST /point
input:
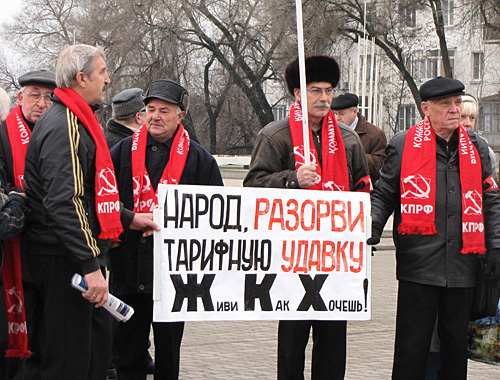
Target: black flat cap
[(319, 68), (344, 101), (441, 87), (41, 77), (168, 91), (127, 103)]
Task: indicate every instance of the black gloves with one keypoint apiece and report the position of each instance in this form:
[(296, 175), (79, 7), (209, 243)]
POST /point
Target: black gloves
[(492, 266), (374, 240)]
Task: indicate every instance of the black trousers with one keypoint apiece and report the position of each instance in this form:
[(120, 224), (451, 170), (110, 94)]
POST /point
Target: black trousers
[(418, 306), (73, 338), (329, 349), (131, 342)]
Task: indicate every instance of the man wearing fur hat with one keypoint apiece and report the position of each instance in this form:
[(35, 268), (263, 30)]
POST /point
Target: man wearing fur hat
[(159, 152), (437, 179), (345, 108), (127, 115), (277, 162)]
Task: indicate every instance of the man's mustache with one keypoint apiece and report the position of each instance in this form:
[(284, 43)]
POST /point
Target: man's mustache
[(322, 105)]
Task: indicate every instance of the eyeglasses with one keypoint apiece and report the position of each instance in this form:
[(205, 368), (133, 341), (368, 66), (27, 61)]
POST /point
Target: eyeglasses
[(35, 97), (317, 91)]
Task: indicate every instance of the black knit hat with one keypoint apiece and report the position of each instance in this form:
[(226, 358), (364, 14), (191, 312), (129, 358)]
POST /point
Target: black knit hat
[(319, 68), (344, 101), (441, 87), (41, 77), (168, 91)]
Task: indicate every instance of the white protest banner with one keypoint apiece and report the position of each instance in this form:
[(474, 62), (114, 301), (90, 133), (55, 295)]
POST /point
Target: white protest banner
[(230, 253)]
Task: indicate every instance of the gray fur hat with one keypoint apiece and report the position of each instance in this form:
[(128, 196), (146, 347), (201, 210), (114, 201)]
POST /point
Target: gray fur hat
[(127, 103)]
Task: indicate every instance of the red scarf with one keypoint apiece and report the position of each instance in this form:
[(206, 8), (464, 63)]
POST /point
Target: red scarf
[(19, 136), (145, 199), (106, 190), (333, 174), (418, 186)]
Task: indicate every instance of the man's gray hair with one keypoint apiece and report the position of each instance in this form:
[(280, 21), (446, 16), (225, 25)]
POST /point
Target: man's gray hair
[(4, 104), (72, 60)]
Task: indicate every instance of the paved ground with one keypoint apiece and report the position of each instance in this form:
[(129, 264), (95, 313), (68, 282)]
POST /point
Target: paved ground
[(247, 350)]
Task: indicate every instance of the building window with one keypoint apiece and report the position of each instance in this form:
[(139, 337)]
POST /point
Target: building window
[(489, 116), (426, 67), (448, 7), (477, 66), (280, 112), (406, 117), (451, 56), (408, 13), (429, 64)]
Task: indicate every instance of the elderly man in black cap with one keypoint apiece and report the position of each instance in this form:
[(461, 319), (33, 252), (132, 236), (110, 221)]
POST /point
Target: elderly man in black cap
[(128, 116), (15, 132), (159, 152), (345, 108), (437, 179), (278, 161)]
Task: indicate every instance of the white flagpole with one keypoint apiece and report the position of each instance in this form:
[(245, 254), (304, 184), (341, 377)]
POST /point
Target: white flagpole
[(358, 67), (302, 76), (365, 55), (375, 95), (370, 99)]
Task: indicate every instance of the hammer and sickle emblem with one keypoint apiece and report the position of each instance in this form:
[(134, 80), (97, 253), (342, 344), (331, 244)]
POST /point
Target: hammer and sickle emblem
[(299, 151), (16, 304), (470, 200), (109, 183), (416, 192)]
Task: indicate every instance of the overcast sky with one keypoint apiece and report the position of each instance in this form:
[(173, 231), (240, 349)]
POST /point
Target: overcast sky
[(9, 7)]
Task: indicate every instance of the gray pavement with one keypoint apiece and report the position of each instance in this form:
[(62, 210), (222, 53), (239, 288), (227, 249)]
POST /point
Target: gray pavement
[(247, 350)]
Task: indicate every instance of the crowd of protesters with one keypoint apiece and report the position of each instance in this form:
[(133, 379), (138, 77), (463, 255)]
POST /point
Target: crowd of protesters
[(78, 198)]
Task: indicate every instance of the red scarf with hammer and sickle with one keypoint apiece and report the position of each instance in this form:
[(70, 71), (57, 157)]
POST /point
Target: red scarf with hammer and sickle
[(145, 198), (19, 136), (106, 189), (418, 186), (334, 175)]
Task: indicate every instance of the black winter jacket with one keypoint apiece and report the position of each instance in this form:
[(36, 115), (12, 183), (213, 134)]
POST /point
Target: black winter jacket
[(132, 261), (60, 183), (435, 259), (116, 132)]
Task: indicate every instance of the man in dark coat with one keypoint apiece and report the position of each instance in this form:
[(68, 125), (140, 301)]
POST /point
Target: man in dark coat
[(437, 179), (128, 115), (155, 154), (345, 108), (15, 131), (278, 161)]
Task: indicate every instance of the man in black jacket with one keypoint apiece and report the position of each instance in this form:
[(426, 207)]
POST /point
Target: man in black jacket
[(15, 130), (76, 214), (160, 152), (437, 179), (128, 115)]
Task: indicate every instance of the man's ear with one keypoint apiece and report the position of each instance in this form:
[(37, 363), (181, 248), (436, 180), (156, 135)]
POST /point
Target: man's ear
[(81, 79), (181, 115), (425, 108), (296, 92)]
